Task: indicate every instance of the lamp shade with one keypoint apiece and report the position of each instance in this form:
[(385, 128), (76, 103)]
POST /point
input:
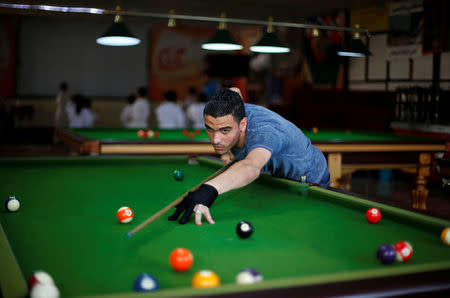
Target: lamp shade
[(222, 41), (354, 48), (270, 43), (118, 35)]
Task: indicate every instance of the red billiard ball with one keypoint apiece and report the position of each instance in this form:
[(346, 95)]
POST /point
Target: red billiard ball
[(404, 251), (185, 132), (373, 215), (156, 134), (190, 135), (181, 259), (197, 132), (141, 133), (146, 134)]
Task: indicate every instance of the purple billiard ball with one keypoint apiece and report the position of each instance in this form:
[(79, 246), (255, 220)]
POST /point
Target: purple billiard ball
[(386, 253)]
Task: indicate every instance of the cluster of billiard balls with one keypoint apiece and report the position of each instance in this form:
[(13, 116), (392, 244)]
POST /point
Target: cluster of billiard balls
[(148, 133), (190, 135), (181, 259)]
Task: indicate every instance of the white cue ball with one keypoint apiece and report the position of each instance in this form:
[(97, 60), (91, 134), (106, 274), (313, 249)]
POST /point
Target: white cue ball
[(46, 290), (12, 204)]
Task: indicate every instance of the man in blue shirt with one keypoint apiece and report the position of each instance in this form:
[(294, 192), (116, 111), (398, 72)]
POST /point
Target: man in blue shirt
[(261, 141)]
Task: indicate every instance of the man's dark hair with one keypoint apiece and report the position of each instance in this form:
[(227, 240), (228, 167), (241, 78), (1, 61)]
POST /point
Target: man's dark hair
[(131, 99), (170, 95), (225, 102), (142, 92)]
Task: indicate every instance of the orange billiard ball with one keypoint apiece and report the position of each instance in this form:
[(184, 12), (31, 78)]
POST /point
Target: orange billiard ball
[(315, 130), (125, 214), (205, 279), (181, 259)]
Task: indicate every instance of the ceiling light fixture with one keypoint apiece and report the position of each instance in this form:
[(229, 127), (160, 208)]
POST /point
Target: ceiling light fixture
[(355, 47), (222, 39), (270, 43), (118, 34)]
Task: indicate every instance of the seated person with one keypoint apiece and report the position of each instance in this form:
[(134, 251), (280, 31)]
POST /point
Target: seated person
[(194, 112), (81, 115), (169, 114), (125, 115)]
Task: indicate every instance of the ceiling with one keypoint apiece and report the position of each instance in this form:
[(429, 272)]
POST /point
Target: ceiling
[(281, 10)]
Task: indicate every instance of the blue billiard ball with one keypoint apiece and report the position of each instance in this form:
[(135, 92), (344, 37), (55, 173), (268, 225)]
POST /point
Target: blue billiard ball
[(386, 253), (145, 283)]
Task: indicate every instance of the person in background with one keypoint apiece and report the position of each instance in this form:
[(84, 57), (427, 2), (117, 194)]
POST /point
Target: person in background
[(140, 110), (190, 98), (82, 116), (125, 115), (169, 114), (194, 112), (62, 100)]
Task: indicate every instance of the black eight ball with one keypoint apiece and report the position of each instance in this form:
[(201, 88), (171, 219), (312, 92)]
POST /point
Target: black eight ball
[(244, 229)]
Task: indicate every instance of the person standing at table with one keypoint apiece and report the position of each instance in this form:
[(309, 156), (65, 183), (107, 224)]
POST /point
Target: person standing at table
[(169, 114), (82, 116), (125, 115), (62, 100), (194, 112), (259, 140), (140, 110)]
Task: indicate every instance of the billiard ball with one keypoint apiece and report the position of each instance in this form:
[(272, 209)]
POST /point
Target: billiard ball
[(185, 132), (248, 276), (386, 254), (181, 259), (445, 236), (150, 133), (244, 229), (42, 290), (125, 214), (373, 215), (190, 135), (141, 133), (156, 134), (197, 132), (315, 130), (178, 175), (39, 277), (205, 279), (403, 250), (12, 204), (145, 283)]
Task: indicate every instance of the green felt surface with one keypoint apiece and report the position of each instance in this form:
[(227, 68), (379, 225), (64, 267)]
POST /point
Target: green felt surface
[(352, 135), (113, 134), (67, 227)]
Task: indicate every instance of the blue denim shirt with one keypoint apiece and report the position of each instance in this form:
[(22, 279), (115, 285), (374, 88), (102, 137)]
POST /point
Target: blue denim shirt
[(293, 155)]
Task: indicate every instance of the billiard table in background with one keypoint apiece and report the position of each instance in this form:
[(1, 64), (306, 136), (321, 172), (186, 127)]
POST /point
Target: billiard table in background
[(307, 240), (346, 151)]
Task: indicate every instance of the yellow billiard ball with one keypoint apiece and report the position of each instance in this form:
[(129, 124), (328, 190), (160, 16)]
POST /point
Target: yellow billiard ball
[(205, 279), (445, 236)]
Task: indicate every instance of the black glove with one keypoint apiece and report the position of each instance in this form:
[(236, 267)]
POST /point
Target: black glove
[(205, 195)]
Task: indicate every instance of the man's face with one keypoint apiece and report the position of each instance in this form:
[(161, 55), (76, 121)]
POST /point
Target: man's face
[(224, 132)]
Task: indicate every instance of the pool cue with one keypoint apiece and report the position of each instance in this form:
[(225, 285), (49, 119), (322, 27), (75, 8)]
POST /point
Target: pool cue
[(176, 202)]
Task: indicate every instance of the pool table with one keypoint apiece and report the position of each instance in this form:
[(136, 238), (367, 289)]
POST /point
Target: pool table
[(307, 239), (346, 151)]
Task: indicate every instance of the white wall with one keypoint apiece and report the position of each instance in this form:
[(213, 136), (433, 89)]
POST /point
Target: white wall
[(399, 68), (51, 50)]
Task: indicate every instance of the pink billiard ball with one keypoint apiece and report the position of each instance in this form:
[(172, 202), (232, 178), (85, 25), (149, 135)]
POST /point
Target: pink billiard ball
[(373, 215)]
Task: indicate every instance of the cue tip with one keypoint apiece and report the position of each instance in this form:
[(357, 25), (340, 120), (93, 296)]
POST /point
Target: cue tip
[(129, 235)]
